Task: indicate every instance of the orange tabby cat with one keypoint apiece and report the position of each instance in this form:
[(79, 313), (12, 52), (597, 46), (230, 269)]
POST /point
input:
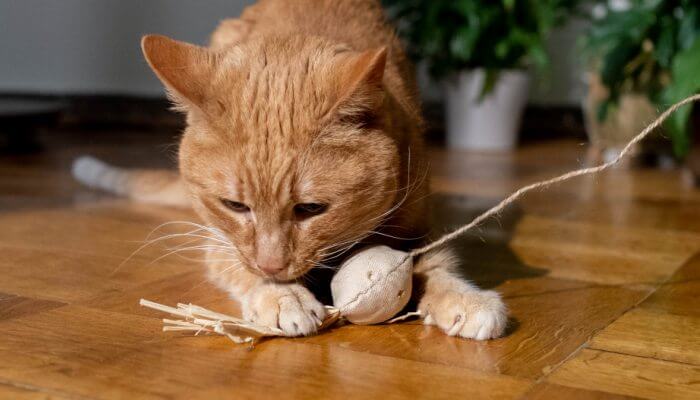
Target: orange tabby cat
[(303, 138)]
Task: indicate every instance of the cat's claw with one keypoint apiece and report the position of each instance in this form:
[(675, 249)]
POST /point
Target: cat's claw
[(289, 307), (479, 314)]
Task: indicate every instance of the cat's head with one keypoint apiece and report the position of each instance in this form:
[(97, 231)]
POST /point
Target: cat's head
[(285, 150)]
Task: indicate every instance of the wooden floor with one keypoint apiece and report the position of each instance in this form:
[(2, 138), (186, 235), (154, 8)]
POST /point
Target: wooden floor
[(602, 277)]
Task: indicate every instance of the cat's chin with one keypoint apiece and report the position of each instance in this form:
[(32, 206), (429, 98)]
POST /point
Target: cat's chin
[(282, 277), (278, 280)]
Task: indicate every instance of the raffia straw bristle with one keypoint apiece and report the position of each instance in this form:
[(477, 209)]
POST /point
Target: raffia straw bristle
[(408, 315), (198, 319)]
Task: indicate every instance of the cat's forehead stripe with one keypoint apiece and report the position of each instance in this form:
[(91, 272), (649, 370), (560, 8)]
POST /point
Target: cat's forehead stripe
[(233, 58)]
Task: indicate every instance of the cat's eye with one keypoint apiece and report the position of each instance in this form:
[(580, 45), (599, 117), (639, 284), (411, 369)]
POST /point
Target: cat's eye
[(308, 210), (235, 206)]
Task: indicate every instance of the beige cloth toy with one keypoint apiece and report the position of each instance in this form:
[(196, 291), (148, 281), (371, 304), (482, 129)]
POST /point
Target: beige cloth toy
[(373, 285)]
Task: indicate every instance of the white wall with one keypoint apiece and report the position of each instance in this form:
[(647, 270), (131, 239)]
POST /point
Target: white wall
[(563, 83), (92, 46)]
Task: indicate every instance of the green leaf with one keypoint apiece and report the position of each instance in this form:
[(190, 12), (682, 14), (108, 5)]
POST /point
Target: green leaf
[(603, 110), (612, 70), (463, 43), (665, 45), (539, 56), (489, 83), (689, 27), (685, 81), (466, 7), (456, 34), (630, 25), (502, 48)]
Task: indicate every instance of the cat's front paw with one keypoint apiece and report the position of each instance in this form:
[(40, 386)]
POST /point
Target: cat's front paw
[(289, 307), (479, 314)]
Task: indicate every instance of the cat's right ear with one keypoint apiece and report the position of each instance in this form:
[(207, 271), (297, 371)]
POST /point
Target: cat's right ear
[(185, 69)]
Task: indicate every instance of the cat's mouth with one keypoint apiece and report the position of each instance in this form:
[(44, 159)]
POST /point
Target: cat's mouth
[(287, 274)]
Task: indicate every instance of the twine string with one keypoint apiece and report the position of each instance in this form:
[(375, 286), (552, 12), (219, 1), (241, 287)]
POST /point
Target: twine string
[(561, 178)]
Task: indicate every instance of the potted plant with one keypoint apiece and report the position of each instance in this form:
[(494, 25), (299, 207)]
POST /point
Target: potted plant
[(644, 56), (482, 50)]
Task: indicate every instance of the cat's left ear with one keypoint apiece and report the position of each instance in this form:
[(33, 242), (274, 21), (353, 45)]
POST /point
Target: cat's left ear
[(359, 83), (185, 69)]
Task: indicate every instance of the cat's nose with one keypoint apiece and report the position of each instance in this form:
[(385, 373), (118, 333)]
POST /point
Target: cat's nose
[(271, 257), (271, 267), (271, 262)]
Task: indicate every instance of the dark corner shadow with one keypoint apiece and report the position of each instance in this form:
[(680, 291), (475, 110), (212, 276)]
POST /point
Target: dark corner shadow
[(512, 327), (485, 254)]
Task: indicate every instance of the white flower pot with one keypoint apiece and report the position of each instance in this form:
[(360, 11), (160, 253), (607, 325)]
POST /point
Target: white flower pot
[(490, 123)]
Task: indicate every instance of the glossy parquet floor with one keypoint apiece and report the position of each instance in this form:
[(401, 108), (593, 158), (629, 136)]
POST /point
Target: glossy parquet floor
[(602, 277)]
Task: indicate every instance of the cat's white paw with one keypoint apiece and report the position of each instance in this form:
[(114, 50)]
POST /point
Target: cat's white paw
[(289, 307), (479, 314)]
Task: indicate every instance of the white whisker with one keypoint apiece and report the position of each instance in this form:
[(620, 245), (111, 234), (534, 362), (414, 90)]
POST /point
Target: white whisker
[(220, 242), (192, 248)]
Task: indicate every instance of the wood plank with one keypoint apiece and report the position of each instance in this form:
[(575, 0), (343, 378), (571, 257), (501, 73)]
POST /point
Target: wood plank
[(19, 392), (189, 287), (544, 331), (664, 326), (548, 391), (654, 334), (678, 298), (67, 277), (496, 175), (602, 253), (114, 355), (114, 229), (595, 204), (680, 294), (629, 375), (12, 306)]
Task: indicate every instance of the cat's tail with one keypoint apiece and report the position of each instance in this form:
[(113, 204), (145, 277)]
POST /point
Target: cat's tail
[(142, 185)]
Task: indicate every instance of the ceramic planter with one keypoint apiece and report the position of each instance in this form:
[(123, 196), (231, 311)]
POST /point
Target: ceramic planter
[(490, 123)]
